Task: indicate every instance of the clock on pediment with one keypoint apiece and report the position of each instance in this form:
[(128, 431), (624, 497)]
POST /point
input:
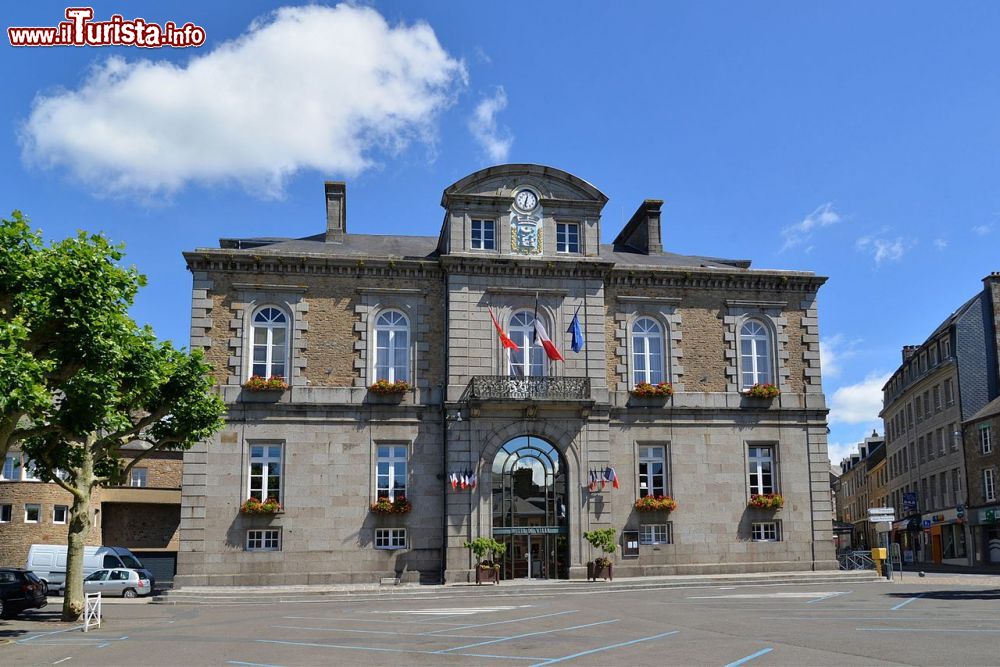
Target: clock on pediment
[(526, 223)]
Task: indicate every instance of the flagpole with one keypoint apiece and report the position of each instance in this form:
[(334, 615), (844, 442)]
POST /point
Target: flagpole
[(586, 327)]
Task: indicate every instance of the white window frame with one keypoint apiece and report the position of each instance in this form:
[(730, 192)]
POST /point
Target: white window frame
[(390, 539), (55, 513), (655, 533), (6, 513), (986, 439), (263, 539), (266, 459), (142, 478), (564, 243), (760, 355), (651, 341), (268, 326), (11, 470), (391, 322), (759, 465), (38, 511), (765, 531), (989, 485), (485, 241), (949, 392), (531, 354), (391, 456), (651, 454)]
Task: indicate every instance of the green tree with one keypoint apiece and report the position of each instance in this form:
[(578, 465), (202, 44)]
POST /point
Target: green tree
[(60, 308)]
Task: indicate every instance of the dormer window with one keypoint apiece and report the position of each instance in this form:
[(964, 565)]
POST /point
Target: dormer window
[(567, 237), (484, 235)]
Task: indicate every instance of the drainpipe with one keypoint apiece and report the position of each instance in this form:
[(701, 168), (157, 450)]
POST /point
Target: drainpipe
[(444, 433)]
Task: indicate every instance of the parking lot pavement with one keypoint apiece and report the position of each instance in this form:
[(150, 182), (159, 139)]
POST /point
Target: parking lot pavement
[(867, 624)]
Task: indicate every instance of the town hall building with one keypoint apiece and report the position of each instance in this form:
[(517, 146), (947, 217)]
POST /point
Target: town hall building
[(422, 375)]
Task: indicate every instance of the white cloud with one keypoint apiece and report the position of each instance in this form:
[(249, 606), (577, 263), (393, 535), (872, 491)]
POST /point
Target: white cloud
[(882, 249), (858, 403), (799, 233), (940, 244), (833, 351), (305, 88), (982, 230), (495, 141)]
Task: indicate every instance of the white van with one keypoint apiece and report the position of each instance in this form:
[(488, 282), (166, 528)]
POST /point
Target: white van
[(48, 562)]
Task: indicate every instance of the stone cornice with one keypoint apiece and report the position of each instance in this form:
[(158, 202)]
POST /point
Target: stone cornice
[(256, 261), (778, 282)]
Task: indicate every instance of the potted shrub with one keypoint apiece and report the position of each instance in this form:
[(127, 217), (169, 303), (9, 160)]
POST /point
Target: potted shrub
[(486, 569), (655, 504), (255, 506), (605, 540), (256, 383), (647, 390), (765, 392), (385, 388), (766, 501), (397, 505)]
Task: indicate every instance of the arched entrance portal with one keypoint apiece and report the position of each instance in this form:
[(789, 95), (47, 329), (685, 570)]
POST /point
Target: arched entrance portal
[(530, 509)]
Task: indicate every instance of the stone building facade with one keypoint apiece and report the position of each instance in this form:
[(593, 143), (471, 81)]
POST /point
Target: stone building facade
[(940, 384), (501, 443), (143, 516), (982, 460)]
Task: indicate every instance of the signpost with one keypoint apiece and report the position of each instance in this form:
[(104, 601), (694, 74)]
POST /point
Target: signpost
[(880, 516)]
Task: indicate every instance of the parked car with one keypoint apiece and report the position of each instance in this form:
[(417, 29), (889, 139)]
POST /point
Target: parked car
[(48, 562), (20, 590), (119, 581)]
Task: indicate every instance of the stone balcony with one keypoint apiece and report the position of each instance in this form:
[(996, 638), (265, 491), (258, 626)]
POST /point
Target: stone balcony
[(535, 388)]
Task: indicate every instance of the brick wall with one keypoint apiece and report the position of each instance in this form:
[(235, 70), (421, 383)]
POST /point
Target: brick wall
[(976, 461)]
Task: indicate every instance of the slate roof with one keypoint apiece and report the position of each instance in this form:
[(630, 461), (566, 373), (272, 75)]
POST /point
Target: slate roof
[(988, 410), (425, 247)]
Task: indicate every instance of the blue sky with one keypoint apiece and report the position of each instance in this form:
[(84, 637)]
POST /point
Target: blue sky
[(857, 140)]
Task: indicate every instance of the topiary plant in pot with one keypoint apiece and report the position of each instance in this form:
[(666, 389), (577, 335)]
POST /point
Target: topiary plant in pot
[(486, 569), (606, 540)]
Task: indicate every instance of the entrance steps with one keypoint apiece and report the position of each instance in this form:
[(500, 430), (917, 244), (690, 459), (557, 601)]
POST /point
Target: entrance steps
[(223, 595)]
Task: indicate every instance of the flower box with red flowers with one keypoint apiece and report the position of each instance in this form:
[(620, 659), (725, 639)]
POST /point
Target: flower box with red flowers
[(647, 390), (258, 383), (255, 506), (766, 501), (655, 504), (398, 505), (763, 391), (386, 388)]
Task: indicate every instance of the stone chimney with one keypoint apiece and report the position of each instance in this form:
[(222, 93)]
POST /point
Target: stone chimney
[(908, 351), (336, 211), (642, 233)]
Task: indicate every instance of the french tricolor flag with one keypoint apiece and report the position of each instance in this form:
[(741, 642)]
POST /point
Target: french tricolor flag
[(542, 336)]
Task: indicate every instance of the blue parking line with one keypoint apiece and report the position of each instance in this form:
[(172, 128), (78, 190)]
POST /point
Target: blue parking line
[(250, 664), (605, 648), (906, 602), (379, 649), (752, 656), (527, 634)]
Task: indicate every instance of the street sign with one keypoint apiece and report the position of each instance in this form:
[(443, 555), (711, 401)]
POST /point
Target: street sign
[(881, 514), (960, 511), (880, 510), (909, 502)]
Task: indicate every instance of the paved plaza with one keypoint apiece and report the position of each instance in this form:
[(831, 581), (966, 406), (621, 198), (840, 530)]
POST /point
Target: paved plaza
[(940, 620)]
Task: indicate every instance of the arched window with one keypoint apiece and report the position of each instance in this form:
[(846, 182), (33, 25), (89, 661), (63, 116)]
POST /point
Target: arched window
[(270, 342), (647, 351), (755, 354), (392, 347), (529, 360)]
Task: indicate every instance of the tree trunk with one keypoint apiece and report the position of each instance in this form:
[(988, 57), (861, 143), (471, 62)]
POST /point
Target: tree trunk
[(79, 527)]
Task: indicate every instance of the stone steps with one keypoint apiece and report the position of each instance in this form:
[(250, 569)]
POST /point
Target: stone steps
[(220, 595)]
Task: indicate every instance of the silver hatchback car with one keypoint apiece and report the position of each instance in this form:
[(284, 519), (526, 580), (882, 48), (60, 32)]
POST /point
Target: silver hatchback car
[(127, 583)]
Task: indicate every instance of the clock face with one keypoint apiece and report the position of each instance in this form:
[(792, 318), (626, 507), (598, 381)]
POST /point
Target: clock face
[(526, 200)]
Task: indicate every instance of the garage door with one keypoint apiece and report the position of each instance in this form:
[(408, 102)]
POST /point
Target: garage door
[(162, 565)]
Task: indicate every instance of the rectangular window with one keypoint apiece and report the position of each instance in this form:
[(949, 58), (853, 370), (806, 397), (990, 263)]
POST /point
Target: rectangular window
[(652, 472), (945, 348), (949, 392), (765, 531), (941, 442), (654, 533), (986, 439), (761, 470), (139, 477), (567, 237), (909, 415), (927, 404), (989, 485), (265, 472), (29, 471), (6, 511), (32, 513), (12, 467), (956, 483), (390, 538), (937, 398), (484, 235), (920, 410), (59, 513), (264, 540), (391, 471)]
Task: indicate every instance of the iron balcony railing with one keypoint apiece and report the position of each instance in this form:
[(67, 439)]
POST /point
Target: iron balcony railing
[(502, 387)]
